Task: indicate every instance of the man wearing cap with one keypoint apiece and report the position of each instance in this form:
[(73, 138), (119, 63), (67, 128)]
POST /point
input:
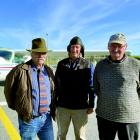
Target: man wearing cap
[(74, 91), (117, 85), (29, 91)]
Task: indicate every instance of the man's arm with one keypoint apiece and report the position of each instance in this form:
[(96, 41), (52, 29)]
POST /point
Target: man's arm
[(10, 88), (91, 91)]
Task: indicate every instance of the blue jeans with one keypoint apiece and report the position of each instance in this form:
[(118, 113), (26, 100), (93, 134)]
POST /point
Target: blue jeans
[(40, 126)]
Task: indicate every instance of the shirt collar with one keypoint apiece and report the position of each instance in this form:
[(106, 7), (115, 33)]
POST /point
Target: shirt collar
[(74, 61), (35, 68)]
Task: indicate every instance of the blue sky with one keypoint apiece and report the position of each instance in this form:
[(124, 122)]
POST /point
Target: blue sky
[(94, 21)]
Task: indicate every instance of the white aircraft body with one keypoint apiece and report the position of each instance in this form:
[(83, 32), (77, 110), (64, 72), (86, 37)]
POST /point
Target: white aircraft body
[(9, 59)]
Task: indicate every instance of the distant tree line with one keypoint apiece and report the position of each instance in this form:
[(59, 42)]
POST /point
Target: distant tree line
[(137, 57)]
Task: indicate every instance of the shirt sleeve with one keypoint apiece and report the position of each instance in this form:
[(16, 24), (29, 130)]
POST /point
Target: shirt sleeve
[(91, 91)]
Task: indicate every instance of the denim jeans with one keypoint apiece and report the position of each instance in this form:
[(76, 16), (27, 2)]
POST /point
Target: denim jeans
[(39, 126)]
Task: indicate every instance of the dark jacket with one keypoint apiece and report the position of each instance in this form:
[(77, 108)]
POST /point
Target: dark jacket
[(18, 90), (73, 89)]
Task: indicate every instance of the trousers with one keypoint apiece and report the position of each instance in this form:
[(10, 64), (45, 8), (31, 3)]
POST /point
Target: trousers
[(126, 131), (40, 126), (78, 118)]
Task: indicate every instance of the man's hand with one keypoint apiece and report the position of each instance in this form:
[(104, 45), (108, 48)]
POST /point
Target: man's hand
[(90, 110)]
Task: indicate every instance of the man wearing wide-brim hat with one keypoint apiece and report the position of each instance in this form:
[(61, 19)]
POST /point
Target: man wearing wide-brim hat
[(28, 90)]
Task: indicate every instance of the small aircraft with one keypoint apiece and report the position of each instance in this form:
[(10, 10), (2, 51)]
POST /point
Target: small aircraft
[(9, 59)]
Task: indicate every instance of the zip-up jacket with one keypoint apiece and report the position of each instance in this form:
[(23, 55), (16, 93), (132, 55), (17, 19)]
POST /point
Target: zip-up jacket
[(18, 90), (73, 88)]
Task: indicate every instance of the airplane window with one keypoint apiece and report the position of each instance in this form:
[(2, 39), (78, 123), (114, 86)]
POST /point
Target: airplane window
[(6, 54)]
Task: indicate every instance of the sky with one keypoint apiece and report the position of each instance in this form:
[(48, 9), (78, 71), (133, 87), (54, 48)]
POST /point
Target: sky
[(94, 21)]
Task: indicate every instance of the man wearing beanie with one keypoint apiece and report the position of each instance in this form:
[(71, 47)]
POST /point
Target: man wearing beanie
[(29, 91), (74, 91), (117, 85)]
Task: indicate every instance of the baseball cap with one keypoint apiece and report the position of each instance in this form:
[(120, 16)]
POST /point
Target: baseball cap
[(117, 38)]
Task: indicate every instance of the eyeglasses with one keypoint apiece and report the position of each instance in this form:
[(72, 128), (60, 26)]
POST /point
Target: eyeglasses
[(116, 45)]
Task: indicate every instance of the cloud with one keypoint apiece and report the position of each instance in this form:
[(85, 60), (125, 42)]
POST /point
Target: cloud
[(134, 36), (15, 38), (94, 21), (67, 19)]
